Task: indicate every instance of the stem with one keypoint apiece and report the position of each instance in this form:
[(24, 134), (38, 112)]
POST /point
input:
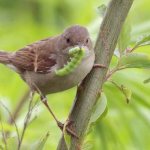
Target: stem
[(104, 49), (27, 119), (13, 121)]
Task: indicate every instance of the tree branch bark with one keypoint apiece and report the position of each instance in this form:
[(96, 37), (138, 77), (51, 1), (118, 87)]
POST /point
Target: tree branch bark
[(92, 85)]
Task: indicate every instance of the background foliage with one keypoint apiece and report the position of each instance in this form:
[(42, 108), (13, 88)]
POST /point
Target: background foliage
[(125, 126)]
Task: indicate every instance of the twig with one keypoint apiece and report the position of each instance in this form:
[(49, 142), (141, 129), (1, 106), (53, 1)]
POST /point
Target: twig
[(121, 89), (13, 121), (110, 73), (104, 49), (27, 118), (135, 47)]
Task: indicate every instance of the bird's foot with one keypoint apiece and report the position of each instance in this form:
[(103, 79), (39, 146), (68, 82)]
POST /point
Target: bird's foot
[(99, 66), (66, 127)]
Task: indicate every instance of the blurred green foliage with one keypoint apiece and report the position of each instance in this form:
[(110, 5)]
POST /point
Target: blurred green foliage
[(126, 126)]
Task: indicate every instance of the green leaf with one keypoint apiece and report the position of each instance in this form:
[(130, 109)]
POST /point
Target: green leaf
[(102, 9), (125, 37), (135, 60), (88, 145), (127, 92), (143, 41), (12, 143), (99, 108), (2, 146), (40, 144), (7, 127), (147, 80)]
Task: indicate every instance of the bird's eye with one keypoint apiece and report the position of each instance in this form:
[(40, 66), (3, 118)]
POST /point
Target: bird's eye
[(87, 41), (68, 40)]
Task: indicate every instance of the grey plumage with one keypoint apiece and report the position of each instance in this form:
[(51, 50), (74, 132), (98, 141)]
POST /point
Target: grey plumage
[(37, 62)]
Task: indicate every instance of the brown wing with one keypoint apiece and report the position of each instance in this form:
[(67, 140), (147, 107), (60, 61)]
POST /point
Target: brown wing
[(30, 59)]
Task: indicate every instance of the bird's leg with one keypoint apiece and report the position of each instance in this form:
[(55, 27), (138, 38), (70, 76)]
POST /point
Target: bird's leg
[(44, 101), (60, 125), (99, 66), (69, 128)]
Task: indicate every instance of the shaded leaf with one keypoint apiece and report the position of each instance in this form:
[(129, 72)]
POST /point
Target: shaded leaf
[(99, 108), (1, 147), (147, 80), (135, 60)]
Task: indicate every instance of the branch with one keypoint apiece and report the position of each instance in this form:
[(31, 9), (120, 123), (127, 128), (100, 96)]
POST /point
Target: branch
[(92, 85)]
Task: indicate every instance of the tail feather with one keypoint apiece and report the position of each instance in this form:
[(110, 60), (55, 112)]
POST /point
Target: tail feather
[(4, 57)]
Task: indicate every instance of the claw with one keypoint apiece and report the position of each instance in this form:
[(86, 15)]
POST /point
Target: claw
[(65, 128)]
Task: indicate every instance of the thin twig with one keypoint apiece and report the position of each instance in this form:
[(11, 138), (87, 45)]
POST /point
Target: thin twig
[(121, 89), (13, 121), (110, 73), (135, 47), (27, 118)]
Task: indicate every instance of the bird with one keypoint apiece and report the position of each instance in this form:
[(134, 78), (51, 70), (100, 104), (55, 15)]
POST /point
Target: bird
[(36, 63)]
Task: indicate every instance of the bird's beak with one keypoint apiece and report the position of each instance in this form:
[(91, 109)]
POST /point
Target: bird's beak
[(87, 51), (76, 50)]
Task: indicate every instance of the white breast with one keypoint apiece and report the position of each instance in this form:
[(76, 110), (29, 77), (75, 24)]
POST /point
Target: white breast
[(51, 83)]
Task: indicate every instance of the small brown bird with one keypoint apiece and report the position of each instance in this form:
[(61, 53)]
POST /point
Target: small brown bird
[(36, 63)]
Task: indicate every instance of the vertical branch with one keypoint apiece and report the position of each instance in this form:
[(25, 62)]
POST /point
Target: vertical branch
[(92, 85)]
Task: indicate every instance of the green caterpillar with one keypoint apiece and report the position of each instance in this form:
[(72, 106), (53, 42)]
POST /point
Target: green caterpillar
[(77, 55)]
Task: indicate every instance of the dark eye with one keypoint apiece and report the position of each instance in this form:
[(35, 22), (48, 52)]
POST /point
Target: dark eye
[(68, 40), (87, 41)]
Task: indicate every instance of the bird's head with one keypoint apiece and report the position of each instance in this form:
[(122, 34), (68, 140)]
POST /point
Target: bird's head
[(75, 36)]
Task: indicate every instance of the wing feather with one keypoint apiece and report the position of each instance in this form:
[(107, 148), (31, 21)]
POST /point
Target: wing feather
[(28, 59)]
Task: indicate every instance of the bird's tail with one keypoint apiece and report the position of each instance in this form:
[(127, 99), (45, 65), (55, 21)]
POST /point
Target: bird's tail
[(4, 57)]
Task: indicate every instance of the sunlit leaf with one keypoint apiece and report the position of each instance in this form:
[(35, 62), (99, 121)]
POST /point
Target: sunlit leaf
[(7, 127), (143, 41), (127, 92), (12, 143), (125, 36), (99, 108), (135, 60)]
